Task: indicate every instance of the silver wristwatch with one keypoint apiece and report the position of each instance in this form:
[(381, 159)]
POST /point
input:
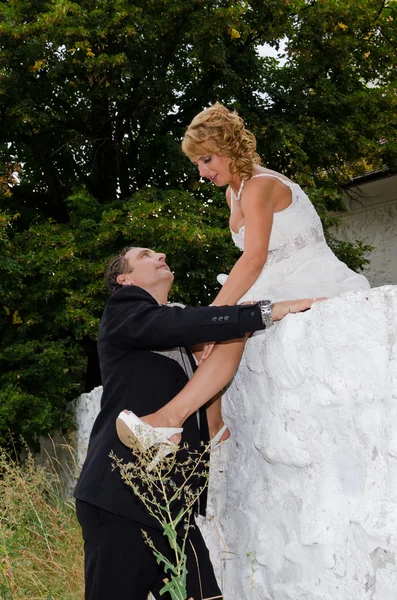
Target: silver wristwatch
[(266, 308)]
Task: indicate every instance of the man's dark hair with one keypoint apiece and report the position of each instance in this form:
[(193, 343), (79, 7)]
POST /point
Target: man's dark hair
[(117, 266)]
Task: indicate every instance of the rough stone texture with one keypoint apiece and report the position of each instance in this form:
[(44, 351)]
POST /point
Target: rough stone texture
[(304, 495), (86, 410)]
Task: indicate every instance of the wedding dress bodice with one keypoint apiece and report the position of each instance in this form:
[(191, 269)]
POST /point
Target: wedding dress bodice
[(294, 228), (299, 263)]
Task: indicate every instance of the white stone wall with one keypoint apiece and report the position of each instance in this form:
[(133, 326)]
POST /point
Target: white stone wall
[(86, 410), (304, 495)]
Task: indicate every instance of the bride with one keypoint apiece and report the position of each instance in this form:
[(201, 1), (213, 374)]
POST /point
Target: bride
[(272, 221), (284, 257)]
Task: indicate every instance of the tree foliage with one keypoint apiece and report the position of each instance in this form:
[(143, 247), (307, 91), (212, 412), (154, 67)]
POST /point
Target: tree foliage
[(94, 99), (98, 93)]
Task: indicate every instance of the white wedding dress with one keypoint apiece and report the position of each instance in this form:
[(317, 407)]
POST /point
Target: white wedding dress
[(300, 264)]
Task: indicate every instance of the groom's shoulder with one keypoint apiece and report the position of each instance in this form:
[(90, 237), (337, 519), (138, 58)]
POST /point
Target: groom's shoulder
[(130, 294), (127, 300)]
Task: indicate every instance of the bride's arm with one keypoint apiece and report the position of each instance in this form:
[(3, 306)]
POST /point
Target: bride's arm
[(257, 205)]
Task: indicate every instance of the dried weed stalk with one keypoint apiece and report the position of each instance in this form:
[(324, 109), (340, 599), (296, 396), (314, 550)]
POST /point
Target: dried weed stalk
[(169, 491)]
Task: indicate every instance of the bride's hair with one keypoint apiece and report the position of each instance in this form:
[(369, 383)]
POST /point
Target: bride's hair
[(217, 130)]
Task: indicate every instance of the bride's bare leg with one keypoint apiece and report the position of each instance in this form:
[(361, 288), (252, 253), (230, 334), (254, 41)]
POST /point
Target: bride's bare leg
[(215, 419), (209, 379)]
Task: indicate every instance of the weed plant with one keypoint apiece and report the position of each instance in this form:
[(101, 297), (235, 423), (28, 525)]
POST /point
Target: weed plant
[(169, 490)]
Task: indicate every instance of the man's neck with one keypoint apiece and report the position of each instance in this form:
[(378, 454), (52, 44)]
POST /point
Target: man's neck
[(159, 293)]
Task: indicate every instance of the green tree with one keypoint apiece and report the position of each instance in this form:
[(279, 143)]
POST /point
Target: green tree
[(333, 107), (98, 93)]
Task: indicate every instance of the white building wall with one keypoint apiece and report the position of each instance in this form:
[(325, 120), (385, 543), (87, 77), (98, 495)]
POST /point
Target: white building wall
[(372, 218)]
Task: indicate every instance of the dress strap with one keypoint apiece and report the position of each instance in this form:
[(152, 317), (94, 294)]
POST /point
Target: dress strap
[(287, 182), (233, 196), (240, 191), (237, 198)]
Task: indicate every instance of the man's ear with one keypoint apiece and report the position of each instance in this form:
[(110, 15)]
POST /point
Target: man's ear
[(122, 279)]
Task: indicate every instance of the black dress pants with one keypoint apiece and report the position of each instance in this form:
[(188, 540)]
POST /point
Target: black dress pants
[(119, 565)]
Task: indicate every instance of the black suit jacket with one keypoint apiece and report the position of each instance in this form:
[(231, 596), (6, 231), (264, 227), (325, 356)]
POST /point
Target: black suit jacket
[(136, 377)]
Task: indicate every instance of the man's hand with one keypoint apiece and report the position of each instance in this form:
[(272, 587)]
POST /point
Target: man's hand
[(280, 309)]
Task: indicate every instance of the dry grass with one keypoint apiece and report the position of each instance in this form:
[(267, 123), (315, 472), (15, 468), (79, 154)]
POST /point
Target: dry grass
[(41, 551)]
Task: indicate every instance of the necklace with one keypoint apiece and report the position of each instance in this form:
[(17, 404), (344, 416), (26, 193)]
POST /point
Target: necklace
[(240, 191)]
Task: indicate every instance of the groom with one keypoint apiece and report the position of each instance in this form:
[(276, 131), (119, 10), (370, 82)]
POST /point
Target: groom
[(145, 358)]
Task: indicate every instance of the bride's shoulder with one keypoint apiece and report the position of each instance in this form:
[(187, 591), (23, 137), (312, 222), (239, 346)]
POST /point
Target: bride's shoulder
[(270, 180), (261, 181), (270, 187), (268, 174)]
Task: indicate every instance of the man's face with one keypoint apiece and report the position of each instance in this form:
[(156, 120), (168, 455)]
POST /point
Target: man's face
[(147, 269)]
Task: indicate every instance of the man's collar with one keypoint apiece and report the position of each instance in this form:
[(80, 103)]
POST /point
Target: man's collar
[(137, 291)]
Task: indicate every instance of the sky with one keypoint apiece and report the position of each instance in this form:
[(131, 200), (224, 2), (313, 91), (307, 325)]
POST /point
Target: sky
[(267, 50)]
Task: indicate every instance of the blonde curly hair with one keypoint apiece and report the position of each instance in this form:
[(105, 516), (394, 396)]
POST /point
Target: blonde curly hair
[(217, 130)]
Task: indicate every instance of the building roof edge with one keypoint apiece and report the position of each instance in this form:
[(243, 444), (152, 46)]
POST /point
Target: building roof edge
[(370, 176)]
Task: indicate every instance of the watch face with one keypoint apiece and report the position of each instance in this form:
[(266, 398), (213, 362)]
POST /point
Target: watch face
[(265, 302)]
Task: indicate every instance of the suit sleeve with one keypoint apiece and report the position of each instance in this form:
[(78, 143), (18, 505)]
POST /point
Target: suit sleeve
[(133, 319)]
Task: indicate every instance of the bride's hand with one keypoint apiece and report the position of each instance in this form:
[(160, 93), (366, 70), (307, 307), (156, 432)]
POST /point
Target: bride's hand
[(206, 352), (281, 309)]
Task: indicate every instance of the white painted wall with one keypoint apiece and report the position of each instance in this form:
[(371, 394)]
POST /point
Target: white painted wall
[(372, 218), (304, 495)]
